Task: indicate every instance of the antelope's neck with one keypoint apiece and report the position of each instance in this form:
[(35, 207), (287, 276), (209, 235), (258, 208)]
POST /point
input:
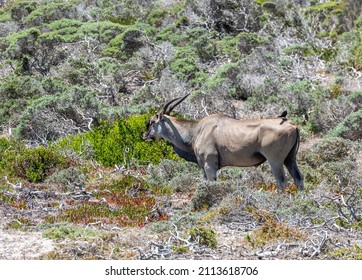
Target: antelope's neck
[(179, 132)]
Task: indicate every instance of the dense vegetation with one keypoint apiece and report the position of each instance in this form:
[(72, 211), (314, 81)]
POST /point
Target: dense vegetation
[(80, 78)]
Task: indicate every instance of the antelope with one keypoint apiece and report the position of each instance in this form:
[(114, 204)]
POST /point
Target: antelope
[(217, 141)]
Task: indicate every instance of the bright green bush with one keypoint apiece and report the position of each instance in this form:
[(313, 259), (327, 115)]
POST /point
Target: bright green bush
[(70, 231), (356, 57), (5, 144), (353, 39), (125, 12), (121, 143), (171, 34), (350, 253), (299, 49), (229, 46), (118, 142)]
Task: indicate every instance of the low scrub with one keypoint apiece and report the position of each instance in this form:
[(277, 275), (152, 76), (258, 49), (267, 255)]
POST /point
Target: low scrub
[(69, 231), (351, 253), (205, 236), (128, 201), (33, 165), (350, 127), (270, 230)]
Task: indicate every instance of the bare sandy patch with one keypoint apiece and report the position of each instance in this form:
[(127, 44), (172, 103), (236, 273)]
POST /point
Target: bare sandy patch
[(18, 245)]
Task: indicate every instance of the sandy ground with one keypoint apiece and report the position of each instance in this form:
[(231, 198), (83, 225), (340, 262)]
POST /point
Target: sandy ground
[(18, 245)]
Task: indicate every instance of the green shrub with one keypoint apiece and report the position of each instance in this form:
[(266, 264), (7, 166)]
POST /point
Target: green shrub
[(31, 52), (103, 31), (172, 34), (156, 17), (33, 165), (330, 6), (4, 16), (226, 81), (125, 44), (39, 122), (15, 91), (208, 194), (77, 145), (205, 48), (49, 11), (22, 43), (350, 253), (54, 85), (19, 87), (121, 142), (272, 231), (182, 176), (64, 231), (299, 49), (350, 128), (205, 235), (354, 38), (330, 160), (71, 176), (356, 57), (21, 9), (327, 151), (270, 7), (63, 30), (184, 63), (125, 12), (118, 142), (71, 30), (229, 46), (5, 145), (248, 41)]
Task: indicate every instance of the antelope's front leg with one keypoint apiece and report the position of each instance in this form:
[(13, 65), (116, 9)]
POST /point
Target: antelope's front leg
[(210, 167)]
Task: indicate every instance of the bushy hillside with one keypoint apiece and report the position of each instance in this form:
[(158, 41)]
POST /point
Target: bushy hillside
[(80, 78)]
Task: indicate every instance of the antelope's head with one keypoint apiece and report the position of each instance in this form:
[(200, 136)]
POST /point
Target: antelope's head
[(155, 126)]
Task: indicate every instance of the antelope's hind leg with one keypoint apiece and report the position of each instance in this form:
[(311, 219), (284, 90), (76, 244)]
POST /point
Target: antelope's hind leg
[(279, 174), (291, 165)]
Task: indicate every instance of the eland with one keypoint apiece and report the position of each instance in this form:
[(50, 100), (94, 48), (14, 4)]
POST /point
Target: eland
[(217, 141)]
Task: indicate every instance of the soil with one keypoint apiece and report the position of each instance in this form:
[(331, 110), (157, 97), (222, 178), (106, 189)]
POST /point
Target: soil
[(19, 245)]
